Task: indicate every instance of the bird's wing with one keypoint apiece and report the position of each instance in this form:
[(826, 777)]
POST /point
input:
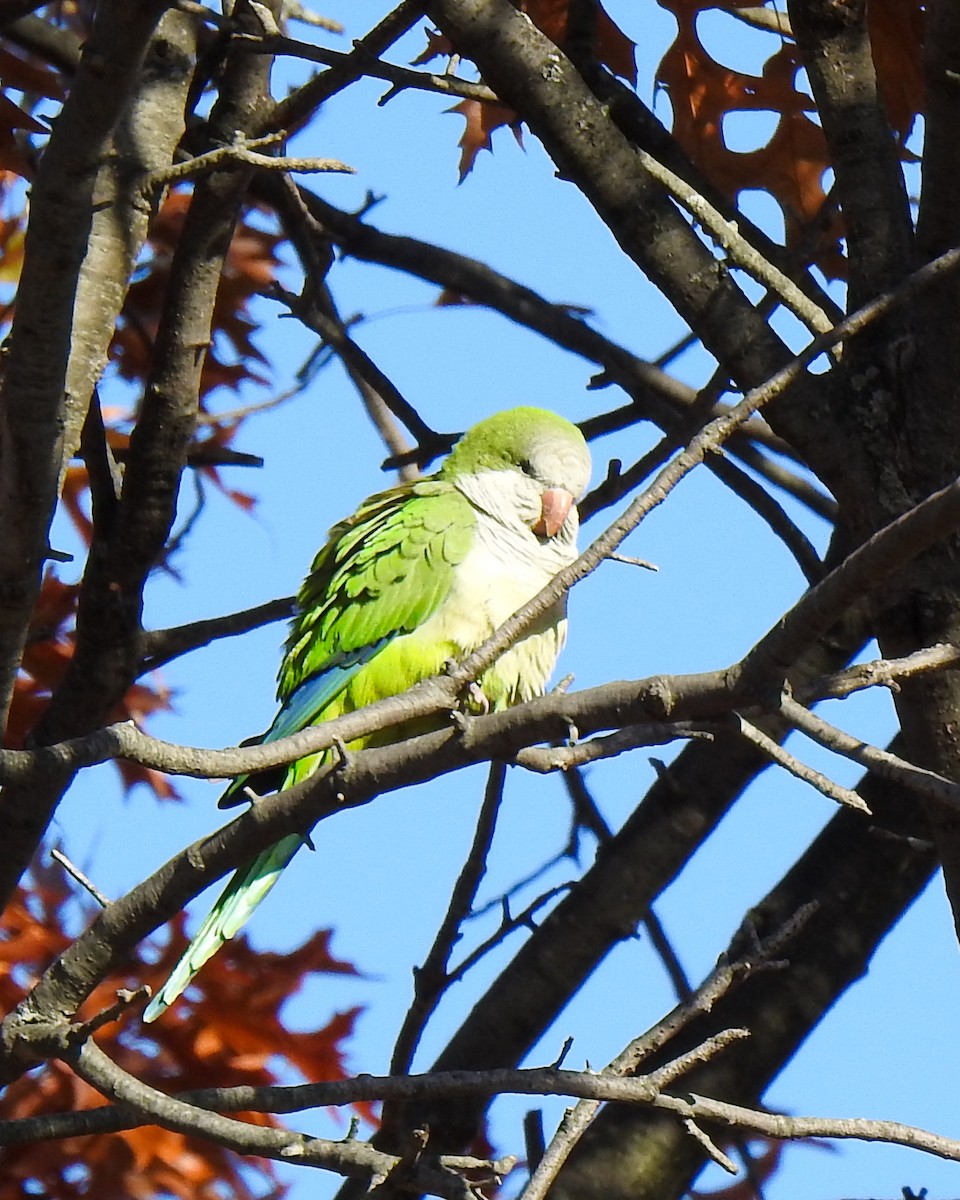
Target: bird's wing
[(383, 572)]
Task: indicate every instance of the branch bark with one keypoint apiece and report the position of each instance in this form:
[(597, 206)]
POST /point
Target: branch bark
[(31, 445)]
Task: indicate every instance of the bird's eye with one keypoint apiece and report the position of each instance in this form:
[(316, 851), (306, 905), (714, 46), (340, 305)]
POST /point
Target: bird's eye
[(526, 466)]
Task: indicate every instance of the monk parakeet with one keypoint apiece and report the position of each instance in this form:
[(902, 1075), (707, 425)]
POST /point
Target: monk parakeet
[(420, 574)]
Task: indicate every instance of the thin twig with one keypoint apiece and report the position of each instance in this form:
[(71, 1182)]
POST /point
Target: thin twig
[(292, 111), (631, 561), (783, 758), (509, 924), (710, 1148), (880, 762), (545, 760), (743, 254), (240, 153), (788, 481), (722, 979), (87, 884), (336, 335), (771, 512), (432, 979), (400, 78), (771, 20)]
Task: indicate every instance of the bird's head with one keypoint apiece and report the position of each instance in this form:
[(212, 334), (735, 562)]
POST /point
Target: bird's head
[(527, 465)]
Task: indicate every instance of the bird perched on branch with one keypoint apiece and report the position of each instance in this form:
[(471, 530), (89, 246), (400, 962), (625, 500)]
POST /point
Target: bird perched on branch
[(420, 574)]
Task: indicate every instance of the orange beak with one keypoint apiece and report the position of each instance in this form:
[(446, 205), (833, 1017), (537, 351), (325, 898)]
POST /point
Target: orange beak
[(554, 506)]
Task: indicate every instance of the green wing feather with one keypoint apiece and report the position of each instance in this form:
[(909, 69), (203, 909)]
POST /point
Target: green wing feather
[(382, 573)]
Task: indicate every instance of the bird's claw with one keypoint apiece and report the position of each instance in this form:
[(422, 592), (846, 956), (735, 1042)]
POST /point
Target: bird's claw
[(477, 699)]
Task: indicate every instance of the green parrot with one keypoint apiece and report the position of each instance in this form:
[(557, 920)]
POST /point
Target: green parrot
[(420, 574)]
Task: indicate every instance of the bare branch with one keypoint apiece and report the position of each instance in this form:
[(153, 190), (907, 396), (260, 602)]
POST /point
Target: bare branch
[(400, 78), (291, 112), (335, 333), (563, 758), (712, 1150), (774, 751), (105, 660), (161, 646), (770, 19), (433, 978), (884, 672), (742, 253), (62, 203), (240, 153), (87, 884), (880, 762), (191, 1111), (889, 549), (350, 1158)]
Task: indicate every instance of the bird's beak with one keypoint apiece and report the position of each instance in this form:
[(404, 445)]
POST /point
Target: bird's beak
[(554, 506)]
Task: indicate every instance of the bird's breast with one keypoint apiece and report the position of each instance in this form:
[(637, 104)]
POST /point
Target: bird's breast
[(502, 571)]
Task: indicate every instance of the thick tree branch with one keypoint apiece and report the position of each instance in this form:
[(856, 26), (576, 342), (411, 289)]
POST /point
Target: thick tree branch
[(145, 140), (835, 47), (125, 547), (33, 388)]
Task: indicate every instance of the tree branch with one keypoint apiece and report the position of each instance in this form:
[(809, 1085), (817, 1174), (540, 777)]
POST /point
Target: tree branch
[(350, 1158), (432, 979), (880, 762), (400, 78), (160, 646), (62, 201), (295, 108), (105, 660), (775, 752), (193, 1112)]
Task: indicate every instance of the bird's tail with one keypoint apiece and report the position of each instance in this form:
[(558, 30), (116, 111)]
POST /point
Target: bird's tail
[(240, 897)]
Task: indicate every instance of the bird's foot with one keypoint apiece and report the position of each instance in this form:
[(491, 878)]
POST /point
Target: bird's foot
[(477, 701)]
